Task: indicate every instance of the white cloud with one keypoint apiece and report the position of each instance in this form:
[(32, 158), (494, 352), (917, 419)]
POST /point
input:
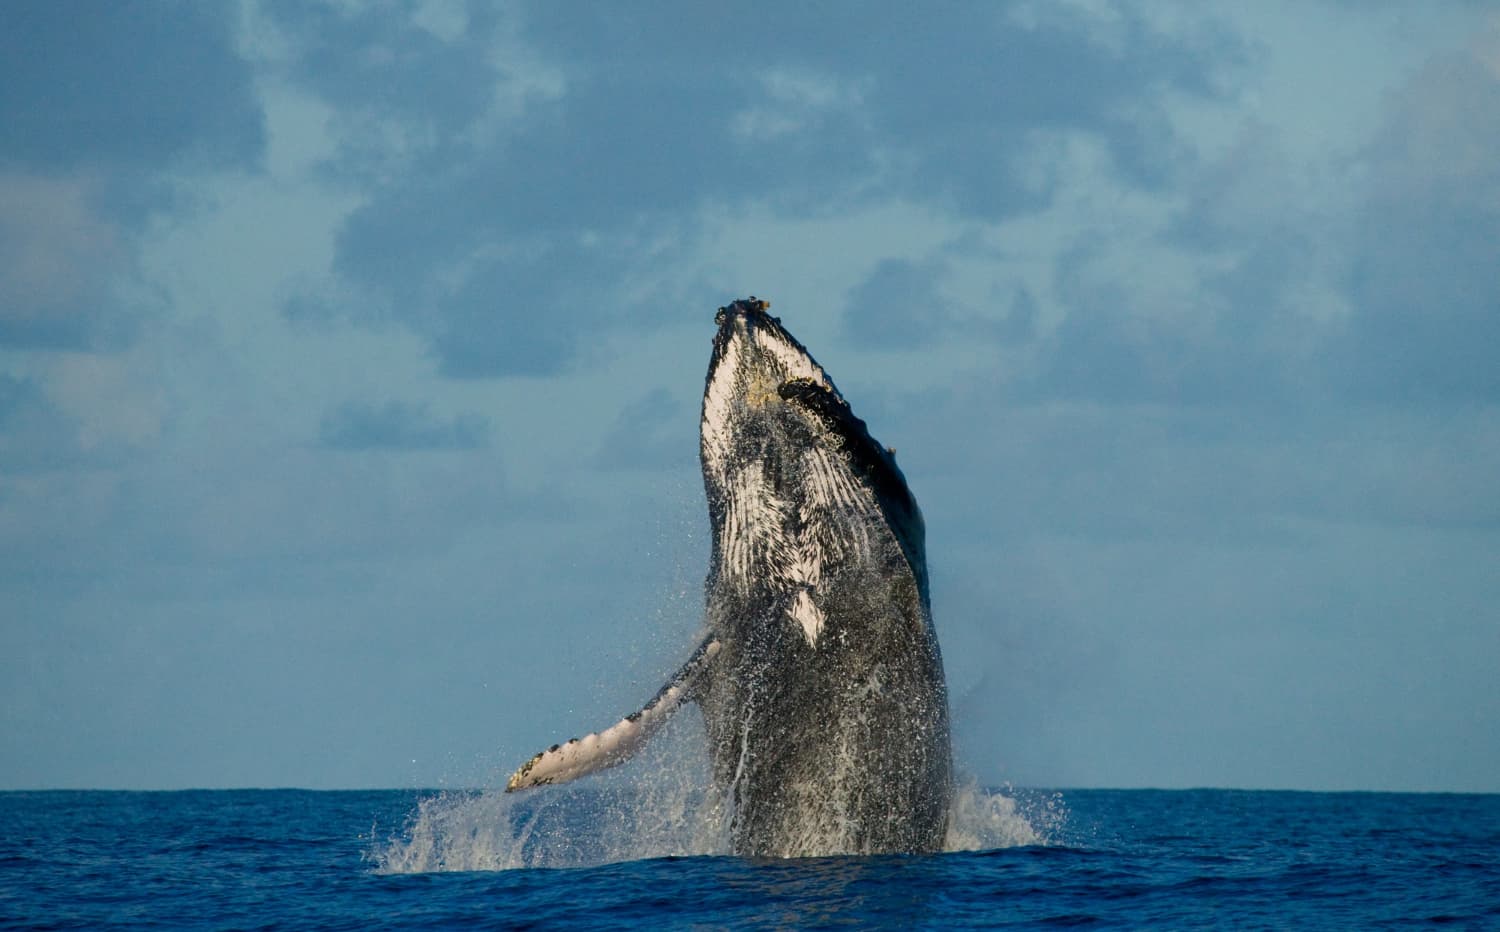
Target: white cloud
[(446, 19), (113, 399), (795, 100), (1442, 136), (57, 253), (1487, 44)]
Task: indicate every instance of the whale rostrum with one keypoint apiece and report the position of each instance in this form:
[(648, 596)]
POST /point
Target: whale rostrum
[(819, 676)]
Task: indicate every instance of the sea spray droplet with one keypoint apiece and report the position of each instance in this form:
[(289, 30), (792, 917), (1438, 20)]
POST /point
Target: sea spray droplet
[(984, 819), (667, 807)]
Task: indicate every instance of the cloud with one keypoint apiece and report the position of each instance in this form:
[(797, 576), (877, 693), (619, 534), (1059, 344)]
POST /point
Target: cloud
[(951, 124), (532, 169), (1126, 338), (78, 410), (899, 306), (1370, 275), (398, 425), (32, 435), (105, 113), (126, 89), (528, 314), (409, 66), (58, 260), (654, 431), (1425, 273), (794, 102), (115, 399)]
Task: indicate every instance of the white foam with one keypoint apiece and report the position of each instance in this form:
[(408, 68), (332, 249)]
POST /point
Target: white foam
[(668, 809), (662, 807), (982, 820)]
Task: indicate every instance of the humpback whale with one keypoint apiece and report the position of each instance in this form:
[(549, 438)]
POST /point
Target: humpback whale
[(819, 678)]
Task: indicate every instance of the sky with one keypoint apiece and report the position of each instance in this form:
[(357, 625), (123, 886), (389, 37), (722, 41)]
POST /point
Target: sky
[(351, 355)]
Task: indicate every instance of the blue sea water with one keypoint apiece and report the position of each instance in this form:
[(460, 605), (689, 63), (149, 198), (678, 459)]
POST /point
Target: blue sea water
[(249, 859)]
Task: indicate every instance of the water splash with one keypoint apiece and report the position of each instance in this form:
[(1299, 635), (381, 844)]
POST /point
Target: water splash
[(661, 812), (985, 819), (659, 806), (491, 831)]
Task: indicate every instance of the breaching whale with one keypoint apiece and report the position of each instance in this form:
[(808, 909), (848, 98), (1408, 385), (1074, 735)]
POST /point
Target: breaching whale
[(819, 678)]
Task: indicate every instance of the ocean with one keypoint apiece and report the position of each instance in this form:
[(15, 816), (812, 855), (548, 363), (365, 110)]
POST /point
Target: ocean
[(603, 858)]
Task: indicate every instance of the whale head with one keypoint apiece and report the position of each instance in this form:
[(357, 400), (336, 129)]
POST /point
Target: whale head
[(798, 490)]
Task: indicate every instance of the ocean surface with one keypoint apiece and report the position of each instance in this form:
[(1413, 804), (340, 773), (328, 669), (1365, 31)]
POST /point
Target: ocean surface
[(602, 858)]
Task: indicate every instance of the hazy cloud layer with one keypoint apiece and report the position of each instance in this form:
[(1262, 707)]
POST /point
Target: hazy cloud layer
[(105, 112), (126, 89), (1425, 270), (399, 426), (350, 358)]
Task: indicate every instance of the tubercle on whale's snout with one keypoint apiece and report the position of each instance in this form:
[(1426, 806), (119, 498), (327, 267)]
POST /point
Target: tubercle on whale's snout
[(750, 305), (751, 309)]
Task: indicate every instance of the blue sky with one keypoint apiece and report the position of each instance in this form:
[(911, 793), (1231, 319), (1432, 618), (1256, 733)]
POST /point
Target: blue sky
[(350, 358)]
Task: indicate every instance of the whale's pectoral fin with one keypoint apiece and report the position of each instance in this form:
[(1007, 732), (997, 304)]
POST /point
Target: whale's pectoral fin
[(619, 742)]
